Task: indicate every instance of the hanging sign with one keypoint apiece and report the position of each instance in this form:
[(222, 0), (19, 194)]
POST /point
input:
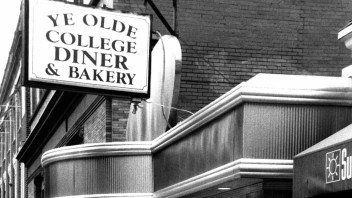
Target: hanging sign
[(86, 49)]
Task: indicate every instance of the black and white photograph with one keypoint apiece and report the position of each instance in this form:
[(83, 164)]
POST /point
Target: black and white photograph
[(176, 99)]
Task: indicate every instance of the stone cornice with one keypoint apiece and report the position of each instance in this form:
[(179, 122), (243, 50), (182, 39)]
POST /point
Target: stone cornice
[(266, 88), (241, 168), (136, 195), (96, 150)]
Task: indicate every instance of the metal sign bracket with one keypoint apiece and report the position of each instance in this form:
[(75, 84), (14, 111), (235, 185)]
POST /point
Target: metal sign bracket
[(173, 31)]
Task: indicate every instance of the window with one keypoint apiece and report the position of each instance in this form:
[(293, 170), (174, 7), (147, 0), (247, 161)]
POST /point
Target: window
[(18, 111), (2, 140), (39, 187)]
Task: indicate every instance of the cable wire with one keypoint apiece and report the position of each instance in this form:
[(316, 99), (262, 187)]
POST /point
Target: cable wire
[(153, 103)]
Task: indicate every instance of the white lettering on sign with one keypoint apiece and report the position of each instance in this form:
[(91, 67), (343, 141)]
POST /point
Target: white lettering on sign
[(346, 165), (85, 47)]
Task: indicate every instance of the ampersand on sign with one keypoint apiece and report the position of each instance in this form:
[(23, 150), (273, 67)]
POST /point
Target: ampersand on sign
[(51, 71)]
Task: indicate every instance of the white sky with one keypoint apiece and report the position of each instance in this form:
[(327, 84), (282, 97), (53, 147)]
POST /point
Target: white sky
[(9, 13)]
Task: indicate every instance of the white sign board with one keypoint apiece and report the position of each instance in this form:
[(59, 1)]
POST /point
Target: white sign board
[(81, 47)]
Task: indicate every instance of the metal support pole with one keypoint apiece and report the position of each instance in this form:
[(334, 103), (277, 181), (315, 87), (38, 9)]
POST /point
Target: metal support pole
[(161, 17), (175, 5)]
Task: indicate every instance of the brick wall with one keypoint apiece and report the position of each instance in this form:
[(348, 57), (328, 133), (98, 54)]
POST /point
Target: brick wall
[(120, 110), (135, 6), (84, 104), (95, 126), (226, 42)]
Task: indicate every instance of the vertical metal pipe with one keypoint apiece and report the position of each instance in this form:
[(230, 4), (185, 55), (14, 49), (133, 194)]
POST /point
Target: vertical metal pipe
[(175, 5)]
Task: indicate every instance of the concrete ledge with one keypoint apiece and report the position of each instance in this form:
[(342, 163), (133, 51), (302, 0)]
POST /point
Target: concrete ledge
[(99, 170), (137, 195), (263, 88), (242, 168), (266, 88), (96, 150), (347, 72)]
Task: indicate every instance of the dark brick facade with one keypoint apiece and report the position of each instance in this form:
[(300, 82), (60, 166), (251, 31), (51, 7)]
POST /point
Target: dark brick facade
[(117, 110), (120, 111), (95, 126), (226, 42), (106, 123)]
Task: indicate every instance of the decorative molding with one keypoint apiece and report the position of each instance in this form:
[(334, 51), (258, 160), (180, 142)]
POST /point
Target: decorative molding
[(265, 88), (96, 150), (105, 170), (137, 195), (241, 168)]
